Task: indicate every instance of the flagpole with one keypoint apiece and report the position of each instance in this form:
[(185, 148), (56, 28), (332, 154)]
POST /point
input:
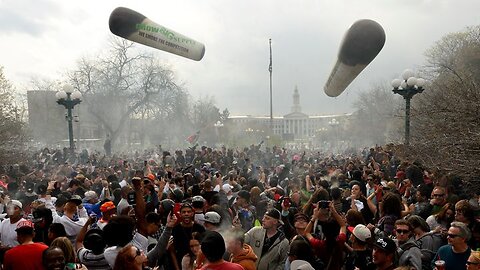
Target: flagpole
[(270, 70)]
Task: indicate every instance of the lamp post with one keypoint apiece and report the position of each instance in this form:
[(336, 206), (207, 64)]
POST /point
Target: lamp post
[(334, 124), (69, 98), (218, 125), (407, 88), (270, 71)]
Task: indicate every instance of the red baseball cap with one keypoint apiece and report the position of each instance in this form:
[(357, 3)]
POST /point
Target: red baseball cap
[(400, 174), (24, 224), (107, 206)]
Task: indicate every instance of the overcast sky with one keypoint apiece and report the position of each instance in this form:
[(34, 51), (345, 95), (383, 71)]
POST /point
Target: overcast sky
[(43, 38)]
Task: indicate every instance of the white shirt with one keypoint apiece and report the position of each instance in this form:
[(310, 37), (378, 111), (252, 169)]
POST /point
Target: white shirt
[(111, 255), (8, 233), (122, 204), (44, 200), (123, 183), (101, 225), (72, 228), (139, 241)]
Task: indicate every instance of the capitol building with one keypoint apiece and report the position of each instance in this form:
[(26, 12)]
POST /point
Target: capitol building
[(296, 125)]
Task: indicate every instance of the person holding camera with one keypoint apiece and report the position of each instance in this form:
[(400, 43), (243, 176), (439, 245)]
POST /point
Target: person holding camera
[(328, 245)]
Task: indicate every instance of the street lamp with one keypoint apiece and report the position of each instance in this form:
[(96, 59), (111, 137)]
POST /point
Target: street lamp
[(218, 125), (334, 124), (407, 88), (69, 98)]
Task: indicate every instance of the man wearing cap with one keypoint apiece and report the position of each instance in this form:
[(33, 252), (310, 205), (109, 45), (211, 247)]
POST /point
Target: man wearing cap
[(108, 211), (74, 215), (89, 201), (92, 254), (198, 202), (227, 188), (27, 255), (9, 225), (42, 219), (360, 256), (268, 243), (383, 254), (301, 265), (211, 221)]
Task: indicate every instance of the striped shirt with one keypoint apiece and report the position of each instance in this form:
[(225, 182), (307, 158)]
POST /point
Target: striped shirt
[(92, 261)]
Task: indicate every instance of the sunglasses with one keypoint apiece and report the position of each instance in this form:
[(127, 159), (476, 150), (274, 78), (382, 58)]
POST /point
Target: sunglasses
[(473, 263), (438, 195), (452, 235), (402, 231), (186, 204), (137, 253)]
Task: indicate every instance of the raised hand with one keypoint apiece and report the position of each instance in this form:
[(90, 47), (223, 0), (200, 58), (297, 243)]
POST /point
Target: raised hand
[(171, 220)]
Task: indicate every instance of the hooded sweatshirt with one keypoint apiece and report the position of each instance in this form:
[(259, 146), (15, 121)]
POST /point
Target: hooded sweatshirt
[(410, 254), (246, 259)]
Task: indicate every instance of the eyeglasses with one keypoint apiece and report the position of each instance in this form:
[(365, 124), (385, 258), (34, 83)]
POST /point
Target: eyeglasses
[(450, 235), (402, 231), (473, 263), (438, 195)]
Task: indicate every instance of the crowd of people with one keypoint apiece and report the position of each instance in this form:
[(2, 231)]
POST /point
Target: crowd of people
[(252, 208)]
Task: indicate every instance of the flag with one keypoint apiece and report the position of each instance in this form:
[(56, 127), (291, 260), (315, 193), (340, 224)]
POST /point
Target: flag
[(194, 137)]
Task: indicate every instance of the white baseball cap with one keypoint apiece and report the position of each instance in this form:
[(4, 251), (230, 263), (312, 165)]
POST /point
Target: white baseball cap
[(212, 217), (89, 195), (227, 188), (198, 198), (361, 232), (301, 265), (16, 203)]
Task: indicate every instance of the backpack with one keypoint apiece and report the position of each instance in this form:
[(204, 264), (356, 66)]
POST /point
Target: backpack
[(406, 246), (430, 248)]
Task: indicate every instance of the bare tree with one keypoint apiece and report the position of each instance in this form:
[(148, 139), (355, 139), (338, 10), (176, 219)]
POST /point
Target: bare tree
[(12, 132), (377, 118), (205, 113), (446, 115), (122, 86)]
